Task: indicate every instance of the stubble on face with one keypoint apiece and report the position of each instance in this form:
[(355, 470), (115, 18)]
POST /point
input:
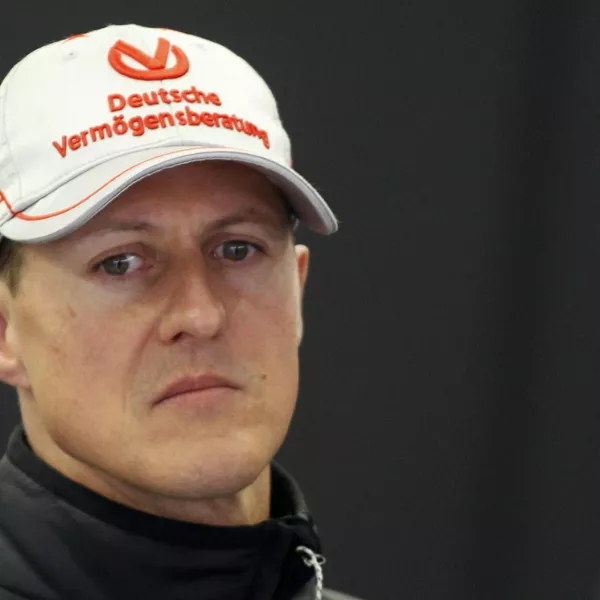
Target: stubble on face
[(98, 348)]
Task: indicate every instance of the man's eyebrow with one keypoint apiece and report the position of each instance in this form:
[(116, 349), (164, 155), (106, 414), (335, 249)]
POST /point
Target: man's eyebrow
[(114, 225), (245, 216)]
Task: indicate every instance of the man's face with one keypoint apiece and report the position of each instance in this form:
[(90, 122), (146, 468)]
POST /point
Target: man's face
[(208, 282)]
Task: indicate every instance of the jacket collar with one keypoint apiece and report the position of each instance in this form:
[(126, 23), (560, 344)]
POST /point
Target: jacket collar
[(114, 549)]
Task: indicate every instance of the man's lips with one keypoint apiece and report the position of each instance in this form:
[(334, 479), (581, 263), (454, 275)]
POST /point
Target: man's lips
[(194, 384)]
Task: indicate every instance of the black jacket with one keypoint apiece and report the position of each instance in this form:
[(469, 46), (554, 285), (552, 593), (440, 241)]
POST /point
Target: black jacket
[(60, 541)]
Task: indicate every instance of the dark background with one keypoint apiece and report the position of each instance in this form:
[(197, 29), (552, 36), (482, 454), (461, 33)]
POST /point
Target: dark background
[(447, 435)]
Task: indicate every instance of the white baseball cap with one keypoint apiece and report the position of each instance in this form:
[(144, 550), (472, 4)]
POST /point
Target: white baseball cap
[(84, 118)]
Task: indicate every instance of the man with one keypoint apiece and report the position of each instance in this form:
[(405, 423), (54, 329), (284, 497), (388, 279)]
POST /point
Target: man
[(150, 318)]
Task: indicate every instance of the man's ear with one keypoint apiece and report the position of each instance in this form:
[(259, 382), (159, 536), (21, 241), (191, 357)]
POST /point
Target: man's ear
[(12, 370), (302, 261)]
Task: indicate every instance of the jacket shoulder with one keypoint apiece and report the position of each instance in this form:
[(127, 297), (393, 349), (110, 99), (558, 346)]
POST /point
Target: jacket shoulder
[(331, 595)]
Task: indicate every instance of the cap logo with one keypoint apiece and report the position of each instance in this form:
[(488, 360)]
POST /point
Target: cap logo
[(154, 67)]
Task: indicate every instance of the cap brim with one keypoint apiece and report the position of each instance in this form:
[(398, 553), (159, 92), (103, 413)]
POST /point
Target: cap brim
[(75, 202)]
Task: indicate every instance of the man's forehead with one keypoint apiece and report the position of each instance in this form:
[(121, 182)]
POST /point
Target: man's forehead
[(155, 224)]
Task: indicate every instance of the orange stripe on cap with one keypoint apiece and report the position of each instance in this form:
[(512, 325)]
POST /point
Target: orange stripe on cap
[(74, 37), (24, 217)]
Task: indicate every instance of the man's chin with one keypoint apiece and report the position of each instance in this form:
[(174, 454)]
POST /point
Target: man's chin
[(207, 471)]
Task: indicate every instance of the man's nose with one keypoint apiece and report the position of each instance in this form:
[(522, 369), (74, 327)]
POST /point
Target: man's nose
[(195, 308)]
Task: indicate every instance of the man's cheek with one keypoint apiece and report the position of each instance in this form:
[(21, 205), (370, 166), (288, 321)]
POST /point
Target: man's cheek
[(44, 346), (67, 352)]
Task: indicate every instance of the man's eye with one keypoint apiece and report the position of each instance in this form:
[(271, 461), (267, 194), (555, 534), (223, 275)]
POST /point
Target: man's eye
[(236, 250), (119, 264)]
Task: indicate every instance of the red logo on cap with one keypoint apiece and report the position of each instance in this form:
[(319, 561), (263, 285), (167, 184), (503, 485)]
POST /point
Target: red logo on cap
[(155, 67)]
